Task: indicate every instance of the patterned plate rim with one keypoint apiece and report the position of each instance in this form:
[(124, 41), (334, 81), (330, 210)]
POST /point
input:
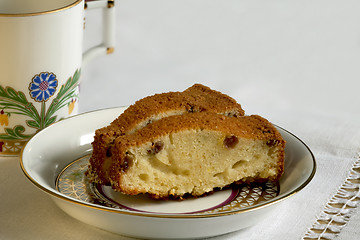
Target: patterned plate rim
[(92, 194)]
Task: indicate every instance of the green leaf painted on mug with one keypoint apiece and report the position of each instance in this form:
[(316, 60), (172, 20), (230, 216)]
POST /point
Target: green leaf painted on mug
[(15, 133), (33, 124)]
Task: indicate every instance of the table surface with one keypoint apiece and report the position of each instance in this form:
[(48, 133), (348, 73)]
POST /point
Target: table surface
[(294, 63)]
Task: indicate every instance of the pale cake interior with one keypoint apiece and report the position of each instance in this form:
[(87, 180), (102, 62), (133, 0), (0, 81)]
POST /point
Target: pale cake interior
[(171, 169)]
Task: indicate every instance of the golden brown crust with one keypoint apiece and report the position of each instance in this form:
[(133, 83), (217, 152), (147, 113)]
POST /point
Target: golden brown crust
[(206, 99), (250, 127), (197, 98)]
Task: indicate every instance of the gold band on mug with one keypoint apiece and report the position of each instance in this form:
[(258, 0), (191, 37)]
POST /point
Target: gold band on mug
[(76, 2), (111, 3), (110, 50), (11, 147)]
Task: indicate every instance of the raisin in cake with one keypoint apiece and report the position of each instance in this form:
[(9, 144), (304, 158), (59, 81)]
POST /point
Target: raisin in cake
[(197, 98), (195, 153)]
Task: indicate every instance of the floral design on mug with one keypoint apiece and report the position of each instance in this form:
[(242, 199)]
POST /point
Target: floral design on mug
[(71, 105), (4, 118), (43, 86)]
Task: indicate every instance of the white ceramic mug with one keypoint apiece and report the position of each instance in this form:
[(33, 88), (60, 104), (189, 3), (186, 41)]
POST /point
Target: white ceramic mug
[(41, 55)]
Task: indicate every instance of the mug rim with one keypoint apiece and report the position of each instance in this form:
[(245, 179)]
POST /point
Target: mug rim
[(74, 3)]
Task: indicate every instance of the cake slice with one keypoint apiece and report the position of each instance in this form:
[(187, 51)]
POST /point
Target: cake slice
[(197, 98), (191, 154)]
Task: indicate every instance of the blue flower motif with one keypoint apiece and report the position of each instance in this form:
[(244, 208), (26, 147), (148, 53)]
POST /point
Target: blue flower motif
[(43, 86)]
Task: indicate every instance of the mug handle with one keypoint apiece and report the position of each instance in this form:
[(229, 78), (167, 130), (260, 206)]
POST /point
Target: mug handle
[(108, 33)]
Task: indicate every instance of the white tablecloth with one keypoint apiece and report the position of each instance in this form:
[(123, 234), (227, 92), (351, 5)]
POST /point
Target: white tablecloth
[(294, 62)]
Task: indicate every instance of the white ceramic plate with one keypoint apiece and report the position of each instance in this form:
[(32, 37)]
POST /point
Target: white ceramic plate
[(55, 160)]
